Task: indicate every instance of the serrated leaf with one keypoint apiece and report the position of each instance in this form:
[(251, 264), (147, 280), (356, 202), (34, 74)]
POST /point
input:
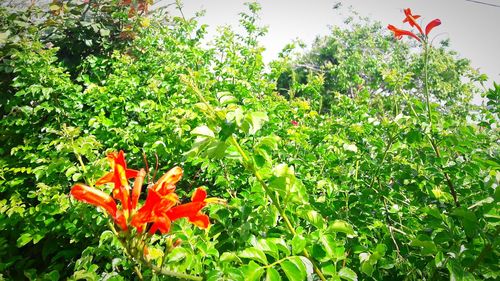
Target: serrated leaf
[(254, 254)]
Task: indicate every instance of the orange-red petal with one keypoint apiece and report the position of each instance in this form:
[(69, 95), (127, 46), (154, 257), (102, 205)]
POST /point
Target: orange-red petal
[(120, 220), (162, 224), (199, 195), (166, 183), (105, 179), (431, 25), (185, 210), (398, 33), (94, 197), (145, 213), (136, 191), (200, 220)]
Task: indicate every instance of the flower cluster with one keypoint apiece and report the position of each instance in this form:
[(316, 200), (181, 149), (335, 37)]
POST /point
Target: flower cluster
[(160, 207), (412, 20)]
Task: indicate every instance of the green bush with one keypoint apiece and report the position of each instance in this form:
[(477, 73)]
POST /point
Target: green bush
[(343, 172)]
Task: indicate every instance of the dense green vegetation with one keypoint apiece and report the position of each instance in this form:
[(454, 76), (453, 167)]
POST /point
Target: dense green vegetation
[(362, 158)]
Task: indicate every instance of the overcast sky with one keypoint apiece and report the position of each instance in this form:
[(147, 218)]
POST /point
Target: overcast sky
[(473, 29)]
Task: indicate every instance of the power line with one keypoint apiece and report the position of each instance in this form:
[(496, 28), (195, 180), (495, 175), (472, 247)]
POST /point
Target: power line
[(483, 3)]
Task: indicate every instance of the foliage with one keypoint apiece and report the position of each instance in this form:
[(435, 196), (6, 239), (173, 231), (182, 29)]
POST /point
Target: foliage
[(361, 56), (341, 173)]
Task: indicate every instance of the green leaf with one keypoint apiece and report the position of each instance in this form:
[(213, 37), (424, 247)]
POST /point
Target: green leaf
[(104, 32), (254, 254), (428, 247), (216, 149), (253, 271), (456, 272), (367, 268), (351, 147), (439, 259), (256, 120), (348, 274), (227, 100), (270, 142), (203, 131), (298, 244), (24, 239), (328, 244), (229, 257), (4, 36), (294, 269), (267, 247), (227, 129), (272, 275), (341, 226)]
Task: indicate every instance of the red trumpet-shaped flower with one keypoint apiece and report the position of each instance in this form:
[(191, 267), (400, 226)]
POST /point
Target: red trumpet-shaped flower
[(412, 20), (159, 209), (98, 198), (94, 197), (192, 210), (119, 177), (398, 33)]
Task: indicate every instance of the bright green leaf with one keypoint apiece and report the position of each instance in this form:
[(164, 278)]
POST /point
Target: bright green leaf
[(348, 274), (254, 254)]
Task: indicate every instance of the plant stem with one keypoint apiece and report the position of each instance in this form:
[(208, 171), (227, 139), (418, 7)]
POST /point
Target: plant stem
[(128, 253), (429, 116), (426, 83)]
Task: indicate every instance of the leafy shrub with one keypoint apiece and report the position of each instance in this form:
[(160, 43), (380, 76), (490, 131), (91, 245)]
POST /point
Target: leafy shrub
[(351, 172)]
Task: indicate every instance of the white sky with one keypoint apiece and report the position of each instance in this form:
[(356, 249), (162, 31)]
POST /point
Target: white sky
[(473, 29)]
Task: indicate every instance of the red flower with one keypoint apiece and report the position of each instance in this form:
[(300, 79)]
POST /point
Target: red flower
[(295, 123), (166, 183), (161, 197), (431, 25), (159, 207), (119, 176), (94, 197), (154, 210), (192, 210), (398, 33), (411, 19), (98, 198)]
